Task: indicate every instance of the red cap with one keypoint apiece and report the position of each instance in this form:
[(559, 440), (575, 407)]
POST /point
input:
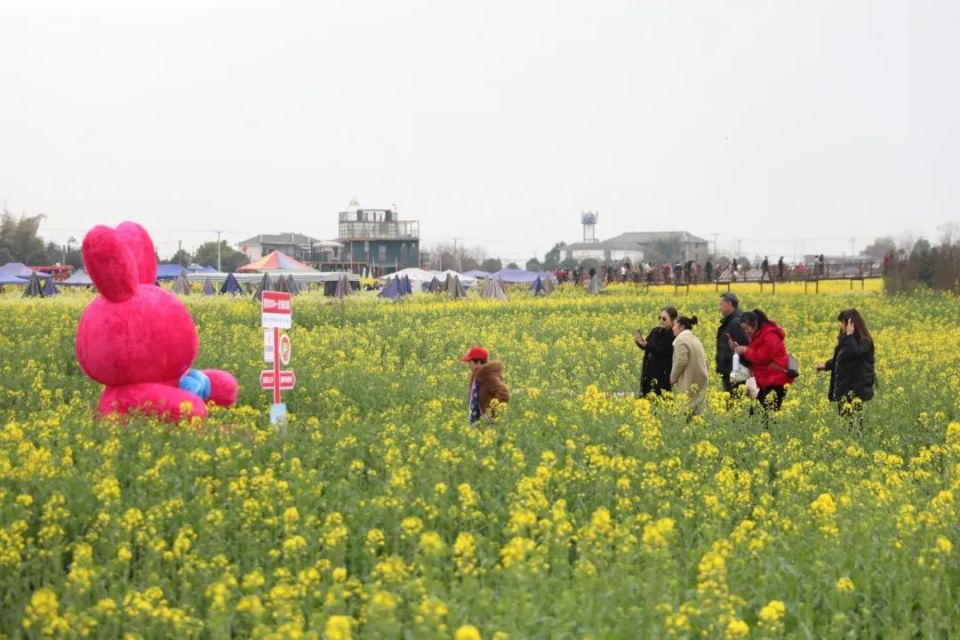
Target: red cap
[(476, 353)]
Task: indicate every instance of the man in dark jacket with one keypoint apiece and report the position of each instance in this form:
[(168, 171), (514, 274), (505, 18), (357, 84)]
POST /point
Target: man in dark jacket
[(729, 328)]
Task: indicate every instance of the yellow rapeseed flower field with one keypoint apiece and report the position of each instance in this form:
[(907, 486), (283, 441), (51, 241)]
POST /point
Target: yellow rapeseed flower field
[(580, 511)]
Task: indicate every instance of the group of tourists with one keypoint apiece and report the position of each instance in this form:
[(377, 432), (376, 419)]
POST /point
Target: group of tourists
[(752, 358)]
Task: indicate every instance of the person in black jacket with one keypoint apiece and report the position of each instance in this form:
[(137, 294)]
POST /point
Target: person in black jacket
[(852, 374), (729, 329), (658, 354)]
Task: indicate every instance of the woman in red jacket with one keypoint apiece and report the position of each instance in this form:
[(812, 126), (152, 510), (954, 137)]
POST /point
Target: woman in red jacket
[(767, 354)]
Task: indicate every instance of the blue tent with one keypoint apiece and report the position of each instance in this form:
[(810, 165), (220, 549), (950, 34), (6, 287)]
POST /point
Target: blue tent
[(49, 289), (407, 286), (230, 285), (9, 278), (208, 289), (20, 270), (34, 288), (196, 268), (538, 287), (392, 290), (169, 271), (78, 279), (516, 276)]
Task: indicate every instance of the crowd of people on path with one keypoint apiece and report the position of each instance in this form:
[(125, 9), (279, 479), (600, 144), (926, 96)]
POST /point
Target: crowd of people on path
[(692, 272), (751, 359)]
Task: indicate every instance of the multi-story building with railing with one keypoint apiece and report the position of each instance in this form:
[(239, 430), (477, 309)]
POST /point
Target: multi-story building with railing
[(378, 240)]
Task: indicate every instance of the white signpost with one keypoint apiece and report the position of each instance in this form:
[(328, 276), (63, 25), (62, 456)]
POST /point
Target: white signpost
[(275, 314)]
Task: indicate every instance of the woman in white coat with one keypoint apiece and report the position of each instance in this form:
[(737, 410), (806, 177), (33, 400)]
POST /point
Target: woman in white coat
[(689, 372)]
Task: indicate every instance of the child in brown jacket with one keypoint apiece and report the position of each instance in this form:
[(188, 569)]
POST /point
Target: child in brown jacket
[(486, 382)]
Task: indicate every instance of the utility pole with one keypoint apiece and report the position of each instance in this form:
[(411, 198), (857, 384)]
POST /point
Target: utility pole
[(456, 254), (853, 244), (715, 245), (218, 250)]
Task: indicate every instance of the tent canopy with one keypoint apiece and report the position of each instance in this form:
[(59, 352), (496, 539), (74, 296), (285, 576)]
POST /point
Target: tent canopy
[(169, 271), (277, 261), (20, 270), (78, 279), (181, 285), (17, 269), (465, 280), (7, 278), (230, 285), (393, 290), (493, 289), (519, 276)]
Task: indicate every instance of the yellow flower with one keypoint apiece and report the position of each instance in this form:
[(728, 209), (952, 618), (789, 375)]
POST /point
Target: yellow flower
[(944, 546), (467, 632), (432, 544), (844, 584), (337, 628), (411, 526), (824, 506), (738, 629), (250, 604), (294, 545), (773, 612)]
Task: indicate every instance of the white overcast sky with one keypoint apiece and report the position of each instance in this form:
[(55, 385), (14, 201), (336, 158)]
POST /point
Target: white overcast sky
[(799, 123)]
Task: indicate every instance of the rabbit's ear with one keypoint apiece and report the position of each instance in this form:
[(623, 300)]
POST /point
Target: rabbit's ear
[(140, 245), (110, 263)]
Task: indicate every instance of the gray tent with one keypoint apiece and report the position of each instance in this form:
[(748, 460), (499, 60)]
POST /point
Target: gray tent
[(208, 289), (265, 285), (282, 284), (181, 285), (548, 286), (34, 288), (435, 285), (493, 289), (455, 288), (293, 286), (343, 286)]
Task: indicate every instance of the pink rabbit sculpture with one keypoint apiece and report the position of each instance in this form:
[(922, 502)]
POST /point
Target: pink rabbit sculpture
[(138, 339)]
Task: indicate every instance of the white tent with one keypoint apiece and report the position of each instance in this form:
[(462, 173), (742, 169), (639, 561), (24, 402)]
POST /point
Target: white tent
[(467, 281), (418, 277)]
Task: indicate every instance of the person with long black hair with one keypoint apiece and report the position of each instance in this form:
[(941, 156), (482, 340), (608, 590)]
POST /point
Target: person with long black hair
[(658, 354), (767, 353), (852, 372)]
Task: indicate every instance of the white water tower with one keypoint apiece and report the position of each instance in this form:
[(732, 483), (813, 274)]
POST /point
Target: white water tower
[(589, 221)]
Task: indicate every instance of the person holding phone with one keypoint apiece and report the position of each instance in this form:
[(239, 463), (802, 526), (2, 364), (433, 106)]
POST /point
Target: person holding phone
[(658, 353), (852, 367), (767, 353)]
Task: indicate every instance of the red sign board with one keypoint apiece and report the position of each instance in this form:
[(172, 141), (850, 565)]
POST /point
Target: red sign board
[(276, 310), (268, 379)]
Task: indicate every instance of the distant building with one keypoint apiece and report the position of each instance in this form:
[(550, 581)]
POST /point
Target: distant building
[(295, 245), (378, 240), (637, 246)]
